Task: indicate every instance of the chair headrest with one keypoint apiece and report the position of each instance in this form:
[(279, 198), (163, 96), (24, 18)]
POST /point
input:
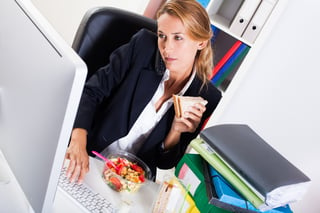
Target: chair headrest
[(102, 30)]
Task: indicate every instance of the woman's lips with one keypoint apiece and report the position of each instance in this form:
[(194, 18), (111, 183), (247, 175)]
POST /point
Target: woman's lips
[(168, 59)]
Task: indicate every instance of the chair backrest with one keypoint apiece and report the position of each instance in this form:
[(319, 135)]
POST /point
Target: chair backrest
[(102, 30)]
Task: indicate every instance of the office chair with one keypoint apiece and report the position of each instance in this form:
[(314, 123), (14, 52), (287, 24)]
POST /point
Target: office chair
[(102, 30)]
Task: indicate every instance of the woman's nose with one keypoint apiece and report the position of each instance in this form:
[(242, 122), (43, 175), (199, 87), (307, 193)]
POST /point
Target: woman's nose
[(168, 45)]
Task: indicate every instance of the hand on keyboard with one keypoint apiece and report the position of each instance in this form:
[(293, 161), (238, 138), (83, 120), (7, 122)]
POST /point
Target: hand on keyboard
[(84, 196)]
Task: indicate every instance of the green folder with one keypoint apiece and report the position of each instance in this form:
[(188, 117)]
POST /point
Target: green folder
[(195, 164)]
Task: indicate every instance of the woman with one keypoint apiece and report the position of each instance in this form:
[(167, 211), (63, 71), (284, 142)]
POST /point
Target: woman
[(139, 82)]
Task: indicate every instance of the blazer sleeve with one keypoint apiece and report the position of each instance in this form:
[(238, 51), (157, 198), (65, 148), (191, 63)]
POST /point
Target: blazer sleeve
[(103, 83)]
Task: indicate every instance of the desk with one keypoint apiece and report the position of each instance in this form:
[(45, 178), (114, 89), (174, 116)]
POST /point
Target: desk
[(13, 200), (140, 201)]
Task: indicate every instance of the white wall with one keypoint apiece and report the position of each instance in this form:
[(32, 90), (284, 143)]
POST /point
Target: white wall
[(279, 96)]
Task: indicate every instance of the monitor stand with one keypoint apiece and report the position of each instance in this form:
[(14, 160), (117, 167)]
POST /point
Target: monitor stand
[(4, 173)]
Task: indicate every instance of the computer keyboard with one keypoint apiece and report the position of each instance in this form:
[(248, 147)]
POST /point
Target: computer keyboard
[(86, 198)]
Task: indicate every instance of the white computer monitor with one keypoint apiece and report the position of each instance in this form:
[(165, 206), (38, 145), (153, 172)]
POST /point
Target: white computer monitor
[(41, 81)]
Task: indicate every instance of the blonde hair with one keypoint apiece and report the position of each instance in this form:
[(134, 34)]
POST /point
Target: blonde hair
[(197, 23)]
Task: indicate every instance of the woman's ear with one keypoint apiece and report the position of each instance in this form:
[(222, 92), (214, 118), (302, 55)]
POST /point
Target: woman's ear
[(202, 45)]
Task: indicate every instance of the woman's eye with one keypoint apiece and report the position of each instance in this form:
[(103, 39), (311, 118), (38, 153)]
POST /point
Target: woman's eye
[(161, 36), (178, 38)]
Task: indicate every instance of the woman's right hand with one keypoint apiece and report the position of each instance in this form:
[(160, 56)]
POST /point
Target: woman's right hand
[(77, 156)]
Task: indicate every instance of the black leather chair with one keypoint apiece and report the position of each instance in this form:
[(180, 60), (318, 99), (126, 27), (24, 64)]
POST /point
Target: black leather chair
[(102, 30)]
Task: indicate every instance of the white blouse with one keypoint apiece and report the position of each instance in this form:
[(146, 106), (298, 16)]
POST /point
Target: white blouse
[(147, 120)]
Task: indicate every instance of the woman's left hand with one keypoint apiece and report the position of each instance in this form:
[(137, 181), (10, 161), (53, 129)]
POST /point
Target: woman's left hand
[(190, 120)]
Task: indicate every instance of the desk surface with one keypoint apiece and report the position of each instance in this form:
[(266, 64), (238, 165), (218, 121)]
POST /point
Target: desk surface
[(12, 198), (140, 201)]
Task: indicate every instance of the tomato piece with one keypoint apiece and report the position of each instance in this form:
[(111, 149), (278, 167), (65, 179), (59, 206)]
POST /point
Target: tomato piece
[(115, 183), (141, 178), (121, 161), (110, 165), (119, 168), (137, 168)]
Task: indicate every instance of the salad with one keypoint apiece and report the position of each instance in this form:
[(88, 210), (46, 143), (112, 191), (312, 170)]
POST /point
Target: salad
[(123, 174)]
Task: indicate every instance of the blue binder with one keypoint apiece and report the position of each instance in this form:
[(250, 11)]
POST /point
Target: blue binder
[(204, 3), (227, 194)]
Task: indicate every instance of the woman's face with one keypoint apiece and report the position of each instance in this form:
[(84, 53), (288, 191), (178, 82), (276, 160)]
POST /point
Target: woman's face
[(177, 49)]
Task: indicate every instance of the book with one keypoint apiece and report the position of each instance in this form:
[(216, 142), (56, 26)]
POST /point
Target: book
[(258, 20), (243, 16), (235, 59), (219, 188), (214, 160), (225, 58), (255, 161)]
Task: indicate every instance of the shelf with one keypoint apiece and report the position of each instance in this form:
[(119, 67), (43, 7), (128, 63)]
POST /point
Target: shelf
[(223, 13)]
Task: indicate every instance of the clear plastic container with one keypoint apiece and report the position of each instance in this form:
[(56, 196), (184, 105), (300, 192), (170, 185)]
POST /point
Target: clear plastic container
[(128, 173)]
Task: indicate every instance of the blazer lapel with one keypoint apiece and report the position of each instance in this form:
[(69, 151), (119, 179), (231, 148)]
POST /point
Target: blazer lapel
[(161, 130), (148, 82)]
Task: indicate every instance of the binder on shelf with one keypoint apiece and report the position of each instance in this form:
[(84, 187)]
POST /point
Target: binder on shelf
[(223, 12), (255, 161), (231, 63), (215, 32), (258, 20), (204, 3), (215, 6), (243, 16), (223, 195), (225, 58)]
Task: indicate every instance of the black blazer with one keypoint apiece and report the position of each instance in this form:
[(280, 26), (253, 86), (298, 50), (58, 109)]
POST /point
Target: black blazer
[(126, 86)]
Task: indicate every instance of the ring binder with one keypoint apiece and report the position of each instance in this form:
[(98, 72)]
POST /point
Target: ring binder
[(243, 16), (258, 20)]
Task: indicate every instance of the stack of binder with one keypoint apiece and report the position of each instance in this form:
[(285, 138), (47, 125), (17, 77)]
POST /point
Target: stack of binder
[(209, 195), (250, 166)]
